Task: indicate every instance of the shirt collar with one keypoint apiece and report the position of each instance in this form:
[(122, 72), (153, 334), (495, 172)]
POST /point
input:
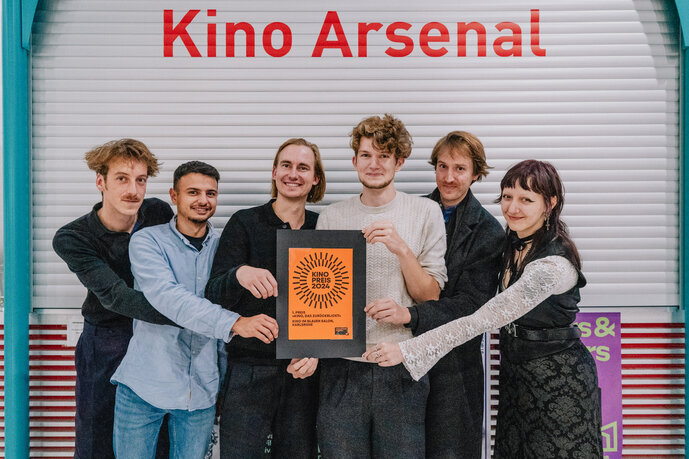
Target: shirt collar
[(209, 236), (270, 215), (99, 228), (435, 195)]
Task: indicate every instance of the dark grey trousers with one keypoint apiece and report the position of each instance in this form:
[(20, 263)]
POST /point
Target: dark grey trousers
[(368, 411), (264, 399)]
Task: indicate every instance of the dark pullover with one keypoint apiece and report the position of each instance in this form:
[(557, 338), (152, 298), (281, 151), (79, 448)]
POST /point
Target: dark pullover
[(248, 239), (100, 259)]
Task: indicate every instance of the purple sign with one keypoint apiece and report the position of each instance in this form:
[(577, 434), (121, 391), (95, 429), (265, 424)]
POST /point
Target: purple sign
[(600, 332)]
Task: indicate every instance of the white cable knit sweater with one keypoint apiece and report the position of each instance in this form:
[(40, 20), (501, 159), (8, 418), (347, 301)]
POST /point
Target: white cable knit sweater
[(420, 224)]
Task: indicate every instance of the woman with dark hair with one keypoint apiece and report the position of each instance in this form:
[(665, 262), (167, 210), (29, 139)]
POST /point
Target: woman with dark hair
[(549, 401)]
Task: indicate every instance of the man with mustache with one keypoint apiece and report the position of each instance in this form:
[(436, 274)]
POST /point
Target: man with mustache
[(172, 371), (96, 248), (474, 245)]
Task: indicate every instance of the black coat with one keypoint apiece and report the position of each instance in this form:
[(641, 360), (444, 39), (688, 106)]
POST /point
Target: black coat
[(454, 413)]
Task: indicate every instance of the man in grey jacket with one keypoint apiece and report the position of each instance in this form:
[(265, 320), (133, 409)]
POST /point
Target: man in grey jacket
[(454, 412)]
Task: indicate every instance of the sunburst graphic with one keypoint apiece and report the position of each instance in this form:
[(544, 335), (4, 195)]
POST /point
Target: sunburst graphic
[(320, 280)]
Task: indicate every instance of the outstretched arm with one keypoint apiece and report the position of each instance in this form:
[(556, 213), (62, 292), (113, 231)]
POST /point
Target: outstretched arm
[(476, 285), (541, 279), (159, 284), (84, 260), (231, 275)]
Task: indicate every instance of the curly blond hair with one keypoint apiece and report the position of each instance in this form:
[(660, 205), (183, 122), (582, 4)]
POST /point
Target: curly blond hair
[(387, 133)]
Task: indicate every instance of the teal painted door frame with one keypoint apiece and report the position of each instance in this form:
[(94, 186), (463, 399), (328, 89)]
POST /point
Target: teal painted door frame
[(683, 13), (17, 17)]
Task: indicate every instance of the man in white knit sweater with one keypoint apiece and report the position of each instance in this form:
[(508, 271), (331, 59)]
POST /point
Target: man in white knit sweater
[(366, 410)]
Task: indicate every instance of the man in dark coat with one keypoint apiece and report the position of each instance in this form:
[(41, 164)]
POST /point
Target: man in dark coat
[(454, 412)]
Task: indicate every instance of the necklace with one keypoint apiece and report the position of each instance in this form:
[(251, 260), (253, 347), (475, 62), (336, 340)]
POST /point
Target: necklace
[(520, 247), (519, 244)]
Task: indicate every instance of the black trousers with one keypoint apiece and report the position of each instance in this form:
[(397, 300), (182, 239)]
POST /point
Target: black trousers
[(262, 399), (369, 411), (98, 353), (454, 417)]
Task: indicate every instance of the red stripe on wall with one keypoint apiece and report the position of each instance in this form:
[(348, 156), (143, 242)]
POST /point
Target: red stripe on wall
[(677, 356), (652, 335), (653, 406), (638, 366), (652, 346), (52, 378), (654, 376), (652, 426), (652, 386)]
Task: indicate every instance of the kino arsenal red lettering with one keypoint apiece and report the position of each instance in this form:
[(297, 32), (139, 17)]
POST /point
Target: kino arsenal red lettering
[(433, 38)]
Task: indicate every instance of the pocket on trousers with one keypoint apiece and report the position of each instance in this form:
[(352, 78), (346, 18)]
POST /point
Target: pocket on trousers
[(333, 384), (239, 376)]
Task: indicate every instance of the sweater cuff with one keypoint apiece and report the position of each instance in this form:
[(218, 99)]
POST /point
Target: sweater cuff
[(233, 276), (414, 322)]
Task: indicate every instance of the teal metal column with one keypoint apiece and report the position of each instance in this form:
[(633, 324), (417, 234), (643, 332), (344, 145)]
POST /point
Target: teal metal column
[(684, 216), (683, 12), (17, 223), (684, 223)]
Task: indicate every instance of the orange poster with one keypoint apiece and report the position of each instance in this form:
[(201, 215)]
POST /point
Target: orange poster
[(320, 294)]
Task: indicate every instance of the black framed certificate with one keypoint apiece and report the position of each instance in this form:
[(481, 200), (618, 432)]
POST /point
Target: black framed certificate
[(321, 277)]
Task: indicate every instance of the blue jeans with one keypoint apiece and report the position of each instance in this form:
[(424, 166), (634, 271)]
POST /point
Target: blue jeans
[(137, 425)]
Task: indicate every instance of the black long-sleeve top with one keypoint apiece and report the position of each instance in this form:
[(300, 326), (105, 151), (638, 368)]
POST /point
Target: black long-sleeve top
[(100, 259), (249, 238)]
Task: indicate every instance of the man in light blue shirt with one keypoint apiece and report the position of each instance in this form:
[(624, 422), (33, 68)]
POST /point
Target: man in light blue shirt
[(167, 369)]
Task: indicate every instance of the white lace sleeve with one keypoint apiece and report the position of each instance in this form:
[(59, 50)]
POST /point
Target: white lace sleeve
[(541, 278)]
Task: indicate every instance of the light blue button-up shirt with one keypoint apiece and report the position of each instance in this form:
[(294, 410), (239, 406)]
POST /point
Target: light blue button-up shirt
[(169, 367)]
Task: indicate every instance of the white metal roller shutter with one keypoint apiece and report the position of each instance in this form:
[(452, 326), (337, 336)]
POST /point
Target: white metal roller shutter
[(602, 105)]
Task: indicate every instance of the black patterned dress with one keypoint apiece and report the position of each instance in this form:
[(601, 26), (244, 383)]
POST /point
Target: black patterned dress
[(549, 400), (549, 404), (549, 407)]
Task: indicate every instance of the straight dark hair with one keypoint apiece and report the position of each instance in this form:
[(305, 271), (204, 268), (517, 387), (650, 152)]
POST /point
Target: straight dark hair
[(194, 167), (540, 177)]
